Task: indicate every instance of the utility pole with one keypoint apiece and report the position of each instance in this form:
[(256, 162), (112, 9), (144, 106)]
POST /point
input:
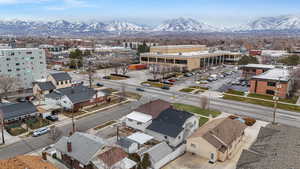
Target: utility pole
[(2, 126), (275, 98), (73, 122)]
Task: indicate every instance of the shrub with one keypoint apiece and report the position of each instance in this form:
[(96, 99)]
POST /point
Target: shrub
[(232, 117), (113, 74), (249, 121)]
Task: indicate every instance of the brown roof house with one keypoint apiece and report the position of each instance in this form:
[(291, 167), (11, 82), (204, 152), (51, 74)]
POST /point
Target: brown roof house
[(217, 140), (142, 117), (26, 162), (113, 157)]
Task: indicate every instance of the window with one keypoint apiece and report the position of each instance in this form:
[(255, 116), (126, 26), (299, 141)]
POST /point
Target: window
[(57, 83), (152, 59), (193, 146), (130, 120), (31, 58), (162, 60), (18, 69), (181, 62), (9, 70), (8, 59), (28, 53), (17, 64), (272, 84), (139, 123), (41, 62), (144, 59), (270, 92)]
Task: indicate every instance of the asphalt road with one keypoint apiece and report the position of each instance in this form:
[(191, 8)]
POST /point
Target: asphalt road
[(34, 143)]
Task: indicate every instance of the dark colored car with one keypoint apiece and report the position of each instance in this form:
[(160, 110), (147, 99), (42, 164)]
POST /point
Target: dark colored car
[(166, 87), (21, 99), (106, 77), (140, 89), (99, 85), (52, 118)]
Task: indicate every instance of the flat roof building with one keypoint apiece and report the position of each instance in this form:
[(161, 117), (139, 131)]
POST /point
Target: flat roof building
[(188, 57), (25, 64)]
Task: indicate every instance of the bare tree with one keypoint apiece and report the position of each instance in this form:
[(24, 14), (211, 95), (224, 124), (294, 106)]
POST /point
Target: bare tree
[(124, 68), (91, 72), (55, 133), (204, 101), (155, 71), (7, 83)]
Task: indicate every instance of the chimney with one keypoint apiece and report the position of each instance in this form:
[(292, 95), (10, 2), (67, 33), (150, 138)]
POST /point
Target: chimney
[(44, 156), (69, 146)]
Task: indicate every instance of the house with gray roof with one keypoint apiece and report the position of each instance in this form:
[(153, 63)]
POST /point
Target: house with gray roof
[(60, 80), (127, 145), (42, 88), (78, 150), (18, 111), (173, 126), (75, 97)]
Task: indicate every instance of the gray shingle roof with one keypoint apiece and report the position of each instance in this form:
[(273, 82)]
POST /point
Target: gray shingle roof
[(159, 151), (76, 94), (61, 76), (84, 146), (170, 122), (277, 146), (125, 142), (11, 111), (46, 85)]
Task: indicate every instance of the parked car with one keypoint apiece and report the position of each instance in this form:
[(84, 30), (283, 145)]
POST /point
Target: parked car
[(40, 131), (140, 89), (172, 80), (52, 118), (106, 77), (21, 99), (188, 75), (99, 85), (146, 84), (165, 87)]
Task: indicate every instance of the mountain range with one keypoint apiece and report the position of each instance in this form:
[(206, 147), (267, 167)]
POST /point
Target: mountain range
[(181, 25)]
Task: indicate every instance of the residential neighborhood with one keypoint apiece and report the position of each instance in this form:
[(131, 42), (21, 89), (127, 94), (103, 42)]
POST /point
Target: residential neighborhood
[(86, 84)]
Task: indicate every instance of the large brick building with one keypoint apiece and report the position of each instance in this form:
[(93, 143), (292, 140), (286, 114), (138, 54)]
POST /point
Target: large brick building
[(271, 81), (254, 69), (189, 57)]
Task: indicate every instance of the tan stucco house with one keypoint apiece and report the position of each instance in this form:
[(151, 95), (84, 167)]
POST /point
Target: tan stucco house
[(218, 140), (60, 80)]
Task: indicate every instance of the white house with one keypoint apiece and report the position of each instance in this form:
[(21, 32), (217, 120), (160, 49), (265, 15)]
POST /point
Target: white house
[(138, 121)]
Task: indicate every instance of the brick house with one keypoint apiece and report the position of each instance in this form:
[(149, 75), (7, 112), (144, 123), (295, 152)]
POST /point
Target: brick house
[(254, 69), (271, 81)]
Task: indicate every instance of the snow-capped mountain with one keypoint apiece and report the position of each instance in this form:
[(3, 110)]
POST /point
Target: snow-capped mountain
[(184, 25), (123, 26), (274, 23)]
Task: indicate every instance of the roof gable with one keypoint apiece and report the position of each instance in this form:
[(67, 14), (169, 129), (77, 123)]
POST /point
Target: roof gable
[(62, 76), (17, 109), (46, 85), (154, 108)]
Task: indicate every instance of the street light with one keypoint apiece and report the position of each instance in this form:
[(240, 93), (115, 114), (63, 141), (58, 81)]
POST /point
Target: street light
[(276, 98)]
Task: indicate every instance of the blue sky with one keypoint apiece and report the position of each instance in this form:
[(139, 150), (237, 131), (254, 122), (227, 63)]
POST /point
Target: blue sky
[(215, 12)]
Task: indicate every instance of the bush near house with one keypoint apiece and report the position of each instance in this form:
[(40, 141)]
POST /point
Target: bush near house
[(36, 123), (249, 121)]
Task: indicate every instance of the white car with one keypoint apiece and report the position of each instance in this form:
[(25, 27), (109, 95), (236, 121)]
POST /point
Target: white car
[(40, 131)]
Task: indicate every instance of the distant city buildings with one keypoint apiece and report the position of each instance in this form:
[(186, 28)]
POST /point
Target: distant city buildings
[(189, 57), (25, 64)]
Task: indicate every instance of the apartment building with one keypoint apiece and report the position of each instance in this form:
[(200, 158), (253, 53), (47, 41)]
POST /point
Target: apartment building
[(188, 57), (274, 82), (250, 70), (25, 64)]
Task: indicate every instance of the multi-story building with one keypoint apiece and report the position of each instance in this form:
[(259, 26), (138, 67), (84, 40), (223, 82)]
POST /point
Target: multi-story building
[(25, 64), (274, 82), (254, 69), (189, 57)]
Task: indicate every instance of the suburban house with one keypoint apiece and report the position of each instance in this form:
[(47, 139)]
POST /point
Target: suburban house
[(78, 150), (18, 111), (112, 158), (142, 117), (250, 70), (43, 88), (173, 126), (26, 162), (162, 153), (128, 145), (268, 83), (60, 80), (75, 98), (217, 140)]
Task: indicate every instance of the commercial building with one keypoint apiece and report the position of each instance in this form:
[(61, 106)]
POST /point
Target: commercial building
[(25, 64), (188, 57), (250, 70), (272, 81)]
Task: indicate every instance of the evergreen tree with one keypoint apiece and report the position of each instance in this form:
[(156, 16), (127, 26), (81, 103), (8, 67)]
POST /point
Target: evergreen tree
[(247, 60)]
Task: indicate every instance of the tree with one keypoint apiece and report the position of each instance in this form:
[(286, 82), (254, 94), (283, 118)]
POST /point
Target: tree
[(146, 162), (76, 59), (143, 48), (204, 101), (247, 60), (55, 133), (7, 83), (155, 71), (124, 68), (292, 60)]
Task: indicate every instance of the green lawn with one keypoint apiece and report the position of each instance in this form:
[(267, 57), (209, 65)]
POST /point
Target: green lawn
[(292, 100), (262, 103), (230, 91), (199, 87), (187, 90), (104, 125), (156, 84), (196, 110), (202, 121)]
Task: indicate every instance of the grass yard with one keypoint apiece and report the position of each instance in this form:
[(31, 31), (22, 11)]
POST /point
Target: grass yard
[(111, 77), (187, 90), (292, 100), (262, 103), (196, 110), (199, 87), (104, 125), (156, 84), (15, 129), (235, 92), (131, 95), (202, 121)]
